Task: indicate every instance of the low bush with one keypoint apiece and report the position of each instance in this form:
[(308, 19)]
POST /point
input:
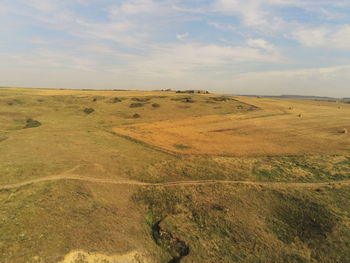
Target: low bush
[(30, 123), (184, 99), (135, 116), (89, 110), (221, 98), (116, 99), (140, 99), (155, 105), (135, 105)]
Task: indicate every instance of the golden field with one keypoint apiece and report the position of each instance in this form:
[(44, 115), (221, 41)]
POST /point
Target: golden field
[(278, 126)]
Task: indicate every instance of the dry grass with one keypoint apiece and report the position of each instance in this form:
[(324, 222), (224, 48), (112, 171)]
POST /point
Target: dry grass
[(244, 222), (272, 130)]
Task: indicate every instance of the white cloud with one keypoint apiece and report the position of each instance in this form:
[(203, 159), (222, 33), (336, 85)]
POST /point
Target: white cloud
[(45, 60), (250, 11), (327, 81), (172, 60), (182, 36), (134, 7), (43, 5), (223, 27), (324, 37), (265, 16), (117, 31), (261, 43), (184, 59), (254, 12)]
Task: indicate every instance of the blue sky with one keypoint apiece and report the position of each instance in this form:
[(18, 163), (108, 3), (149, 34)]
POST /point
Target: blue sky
[(225, 46)]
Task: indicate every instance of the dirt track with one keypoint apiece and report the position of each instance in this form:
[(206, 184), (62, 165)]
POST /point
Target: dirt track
[(168, 184)]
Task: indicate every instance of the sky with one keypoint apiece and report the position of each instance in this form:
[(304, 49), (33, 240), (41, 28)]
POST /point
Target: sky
[(268, 47)]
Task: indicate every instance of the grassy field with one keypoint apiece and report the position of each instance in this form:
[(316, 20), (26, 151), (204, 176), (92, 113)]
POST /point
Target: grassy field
[(134, 176)]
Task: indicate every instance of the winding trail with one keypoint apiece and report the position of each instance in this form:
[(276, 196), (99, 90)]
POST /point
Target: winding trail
[(77, 177)]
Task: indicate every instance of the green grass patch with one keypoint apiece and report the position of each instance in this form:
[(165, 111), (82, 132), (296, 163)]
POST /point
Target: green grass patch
[(181, 146)]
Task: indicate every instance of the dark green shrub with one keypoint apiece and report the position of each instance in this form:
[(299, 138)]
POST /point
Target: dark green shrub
[(135, 116), (188, 100), (141, 99), (223, 98), (181, 146), (135, 105), (15, 101), (30, 123), (155, 105), (184, 99), (115, 100), (89, 110)]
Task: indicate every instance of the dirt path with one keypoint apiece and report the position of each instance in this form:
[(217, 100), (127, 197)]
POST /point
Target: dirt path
[(168, 184)]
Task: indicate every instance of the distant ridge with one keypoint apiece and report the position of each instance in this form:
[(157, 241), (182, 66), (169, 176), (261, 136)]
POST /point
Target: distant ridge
[(296, 97)]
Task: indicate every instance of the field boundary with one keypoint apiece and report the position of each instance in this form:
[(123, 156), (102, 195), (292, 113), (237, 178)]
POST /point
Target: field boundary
[(132, 139)]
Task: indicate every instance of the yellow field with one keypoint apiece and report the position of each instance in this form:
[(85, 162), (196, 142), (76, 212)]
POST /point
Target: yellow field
[(281, 126)]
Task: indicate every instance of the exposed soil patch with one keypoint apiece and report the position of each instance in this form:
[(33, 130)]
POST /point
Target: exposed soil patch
[(87, 257)]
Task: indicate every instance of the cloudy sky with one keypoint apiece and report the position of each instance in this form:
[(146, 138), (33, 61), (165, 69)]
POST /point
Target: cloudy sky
[(225, 46)]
